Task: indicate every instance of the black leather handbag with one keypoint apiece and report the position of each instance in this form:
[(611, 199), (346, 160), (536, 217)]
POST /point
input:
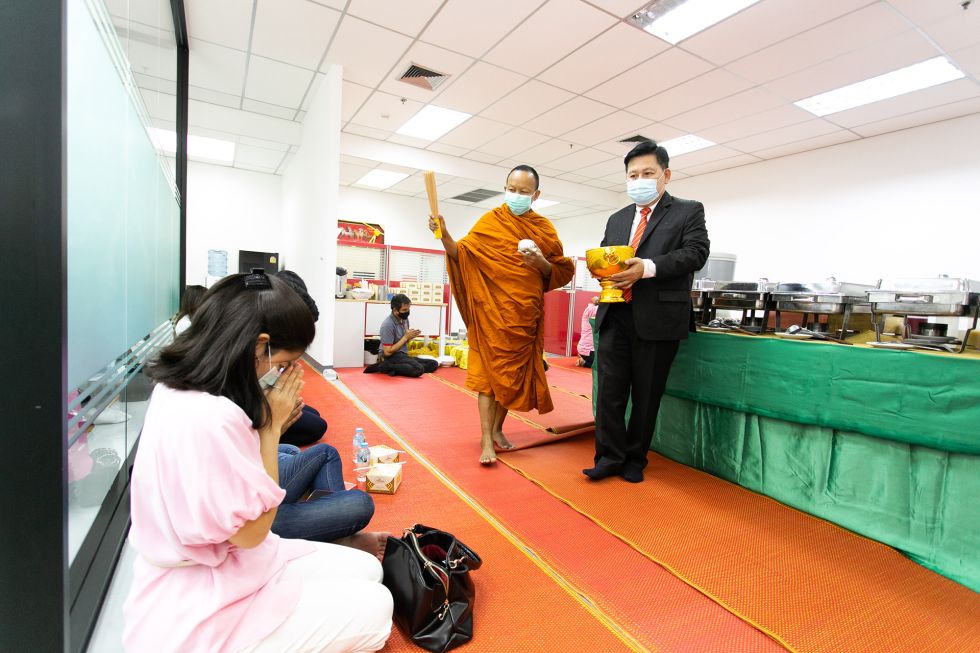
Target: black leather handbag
[(428, 574)]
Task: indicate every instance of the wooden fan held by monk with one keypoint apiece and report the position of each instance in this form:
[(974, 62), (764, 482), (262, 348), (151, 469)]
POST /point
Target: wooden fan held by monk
[(430, 191)]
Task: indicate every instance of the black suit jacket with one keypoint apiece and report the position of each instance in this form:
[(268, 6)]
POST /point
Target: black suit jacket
[(676, 239)]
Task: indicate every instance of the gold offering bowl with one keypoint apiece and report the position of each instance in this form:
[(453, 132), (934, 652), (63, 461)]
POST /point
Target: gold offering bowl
[(604, 262)]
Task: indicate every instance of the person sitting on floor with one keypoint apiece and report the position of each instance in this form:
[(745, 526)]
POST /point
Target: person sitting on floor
[(210, 576), (395, 335), (310, 426), (585, 344)]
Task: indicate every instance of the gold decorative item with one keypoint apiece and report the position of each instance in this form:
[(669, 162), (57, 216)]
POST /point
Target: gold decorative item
[(604, 262)]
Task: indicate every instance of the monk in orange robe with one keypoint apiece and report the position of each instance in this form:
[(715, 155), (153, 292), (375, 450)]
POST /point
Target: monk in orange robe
[(499, 290)]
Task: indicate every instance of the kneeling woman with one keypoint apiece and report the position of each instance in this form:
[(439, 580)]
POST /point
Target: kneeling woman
[(210, 575)]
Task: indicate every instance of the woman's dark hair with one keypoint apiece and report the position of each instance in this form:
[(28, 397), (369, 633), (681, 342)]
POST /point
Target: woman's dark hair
[(648, 147), (528, 169), (296, 283), (217, 352), (190, 301)]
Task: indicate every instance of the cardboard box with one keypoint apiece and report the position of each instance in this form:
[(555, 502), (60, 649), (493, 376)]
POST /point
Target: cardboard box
[(384, 479), (426, 285), (381, 454)]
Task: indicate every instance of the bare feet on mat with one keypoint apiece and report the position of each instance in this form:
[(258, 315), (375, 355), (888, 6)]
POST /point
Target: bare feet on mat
[(501, 442), (488, 457), (373, 543)]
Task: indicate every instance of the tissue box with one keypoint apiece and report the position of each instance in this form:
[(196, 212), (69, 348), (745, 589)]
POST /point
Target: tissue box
[(384, 479), (381, 454)]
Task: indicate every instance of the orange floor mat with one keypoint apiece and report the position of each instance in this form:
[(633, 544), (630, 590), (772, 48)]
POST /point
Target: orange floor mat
[(519, 608), (660, 611), (567, 362), (809, 583)]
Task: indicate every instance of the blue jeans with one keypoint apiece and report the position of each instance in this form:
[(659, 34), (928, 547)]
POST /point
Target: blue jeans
[(326, 518)]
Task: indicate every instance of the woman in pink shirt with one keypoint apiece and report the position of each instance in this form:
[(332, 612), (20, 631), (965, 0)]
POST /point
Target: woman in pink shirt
[(210, 576), (585, 346)]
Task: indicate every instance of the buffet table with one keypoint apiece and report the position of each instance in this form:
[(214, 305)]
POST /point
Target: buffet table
[(884, 443)]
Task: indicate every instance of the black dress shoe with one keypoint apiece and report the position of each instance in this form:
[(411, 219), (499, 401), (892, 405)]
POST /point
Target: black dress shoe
[(632, 475), (600, 472)]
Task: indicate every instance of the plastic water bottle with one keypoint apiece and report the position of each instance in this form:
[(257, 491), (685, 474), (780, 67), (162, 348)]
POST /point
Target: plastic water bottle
[(356, 444), (363, 459)]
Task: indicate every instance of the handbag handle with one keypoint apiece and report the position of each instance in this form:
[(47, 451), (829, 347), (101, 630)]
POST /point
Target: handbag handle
[(434, 569)]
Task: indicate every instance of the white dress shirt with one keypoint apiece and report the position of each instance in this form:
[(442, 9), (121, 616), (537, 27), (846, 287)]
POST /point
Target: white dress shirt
[(649, 267)]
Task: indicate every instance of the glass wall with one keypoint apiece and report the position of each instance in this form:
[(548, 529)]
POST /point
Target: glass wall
[(123, 236)]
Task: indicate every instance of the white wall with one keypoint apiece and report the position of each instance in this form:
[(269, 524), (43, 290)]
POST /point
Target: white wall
[(902, 204), (310, 207), (230, 209)]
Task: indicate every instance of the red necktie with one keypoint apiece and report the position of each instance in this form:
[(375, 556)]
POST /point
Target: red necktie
[(635, 242)]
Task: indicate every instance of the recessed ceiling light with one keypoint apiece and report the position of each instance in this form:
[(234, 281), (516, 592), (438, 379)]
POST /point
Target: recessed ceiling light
[(198, 147), (542, 204), (432, 122), (675, 20), (685, 144), (381, 178), (931, 72)]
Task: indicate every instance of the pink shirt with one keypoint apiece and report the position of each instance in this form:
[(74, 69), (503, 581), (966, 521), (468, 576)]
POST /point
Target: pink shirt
[(585, 342), (198, 477)]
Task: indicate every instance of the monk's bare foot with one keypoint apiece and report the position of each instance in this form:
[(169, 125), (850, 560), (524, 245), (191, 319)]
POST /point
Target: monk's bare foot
[(501, 442), (488, 457), (373, 543)]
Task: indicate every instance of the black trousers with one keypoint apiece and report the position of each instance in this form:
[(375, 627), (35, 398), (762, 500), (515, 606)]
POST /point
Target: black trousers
[(401, 364), (628, 365), (309, 428)]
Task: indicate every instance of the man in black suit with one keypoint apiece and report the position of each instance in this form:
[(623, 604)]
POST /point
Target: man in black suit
[(638, 339)]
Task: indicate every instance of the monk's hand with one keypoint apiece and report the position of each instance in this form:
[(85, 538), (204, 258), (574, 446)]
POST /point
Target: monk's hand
[(629, 276), (437, 222), (535, 259)]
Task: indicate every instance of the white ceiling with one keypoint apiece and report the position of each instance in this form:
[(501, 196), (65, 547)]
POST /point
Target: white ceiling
[(556, 83)]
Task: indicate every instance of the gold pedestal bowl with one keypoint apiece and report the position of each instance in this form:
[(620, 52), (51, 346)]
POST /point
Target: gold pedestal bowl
[(604, 262)]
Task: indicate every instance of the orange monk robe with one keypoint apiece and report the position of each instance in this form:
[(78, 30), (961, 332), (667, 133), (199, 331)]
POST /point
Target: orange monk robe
[(502, 303)]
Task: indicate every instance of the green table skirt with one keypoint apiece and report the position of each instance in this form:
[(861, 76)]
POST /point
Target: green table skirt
[(882, 443)]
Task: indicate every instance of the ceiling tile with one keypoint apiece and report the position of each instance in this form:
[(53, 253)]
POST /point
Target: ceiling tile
[(155, 83), (927, 98), (473, 27), (264, 144), (925, 13), (479, 87), (924, 117), (509, 144), (968, 60), (351, 99), (770, 139), (475, 132), (159, 106), (333, 4), (722, 164), (349, 49), (579, 159), (351, 173), (405, 17), (592, 64), (224, 22), (151, 57), (743, 34), (554, 31), (717, 113), (357, 161), (544, 152), (370, 132), (216, 67), (959, 30), (482, 157), (293, 31), (214, 97), (427, 56), (642, 81), (619, 124), (691, 159), (451, 150), (276, 83), (534, 98), (697, 92), (807, 144), (385, 111), (619, 8), (568, 116), (885, 56), (257, 157), (604, 170), (408, 140), (414, 183), (756, 123), (268, 109), (840, 36)]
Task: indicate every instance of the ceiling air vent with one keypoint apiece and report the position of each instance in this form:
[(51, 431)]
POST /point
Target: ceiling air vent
[(477, 195), (416, 75), (636, 139)]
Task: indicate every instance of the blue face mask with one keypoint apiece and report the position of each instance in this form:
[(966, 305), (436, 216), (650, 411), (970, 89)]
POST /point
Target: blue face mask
[(642, 191), (518, 204)]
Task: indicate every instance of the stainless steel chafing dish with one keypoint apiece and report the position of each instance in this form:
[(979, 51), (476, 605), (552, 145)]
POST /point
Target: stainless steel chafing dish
[(939, 296), (701, 301), (746, 296), (828, 297)]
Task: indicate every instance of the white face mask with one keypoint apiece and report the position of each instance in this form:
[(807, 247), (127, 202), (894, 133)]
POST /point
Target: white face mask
[(270, 378)]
